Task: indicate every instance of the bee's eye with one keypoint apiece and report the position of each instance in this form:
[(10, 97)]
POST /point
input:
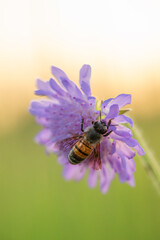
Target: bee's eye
[(95, 125), (103, 123)]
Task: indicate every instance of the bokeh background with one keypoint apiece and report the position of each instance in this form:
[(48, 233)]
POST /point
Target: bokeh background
[(120, 40)]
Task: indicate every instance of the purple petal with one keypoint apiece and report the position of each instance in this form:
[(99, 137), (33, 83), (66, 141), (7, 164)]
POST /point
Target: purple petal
[(92, 178), (80, 173), (84, 79), (42, 92), (106, 177), (52, 147), (139, 150), (113, 148), (131, 142), (69, 171), (132, 165), (104, 106), (105, 103), (122, 100), (38, 108), (123, 131), (113, 112), (62, 160), (124, 119), (125, 150), (123, 160), (104, 183), (116, 163), (131, 181), (126, 175), (123, 176), (44, 89), (66, 82), (92, 101), (59, 74), (56, 87), (42, 85), (42, 121), (43, 136), (112, 128)]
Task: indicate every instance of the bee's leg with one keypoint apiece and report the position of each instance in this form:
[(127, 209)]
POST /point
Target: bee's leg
[(82, 122), (109, 123), (95, 153), (105, 135)]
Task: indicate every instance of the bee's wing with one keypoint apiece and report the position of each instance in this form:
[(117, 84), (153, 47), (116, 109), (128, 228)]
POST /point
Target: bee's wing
[(67, 143), (94, 160)]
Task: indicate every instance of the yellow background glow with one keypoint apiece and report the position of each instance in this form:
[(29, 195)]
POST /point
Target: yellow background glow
[(119, 39)]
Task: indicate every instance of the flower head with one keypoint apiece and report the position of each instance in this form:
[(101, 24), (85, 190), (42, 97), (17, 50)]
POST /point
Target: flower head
[(61, 116)]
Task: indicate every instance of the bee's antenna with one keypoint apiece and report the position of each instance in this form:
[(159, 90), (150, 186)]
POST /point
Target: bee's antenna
[(100, 113)]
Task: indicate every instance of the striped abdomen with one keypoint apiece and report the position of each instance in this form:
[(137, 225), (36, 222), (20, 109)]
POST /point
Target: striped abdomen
[(81, 150)]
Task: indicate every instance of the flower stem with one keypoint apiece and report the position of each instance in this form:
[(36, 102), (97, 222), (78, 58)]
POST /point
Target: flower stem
[(150, 163)]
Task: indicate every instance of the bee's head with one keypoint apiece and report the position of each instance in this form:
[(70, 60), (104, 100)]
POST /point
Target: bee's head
[(100, 126)]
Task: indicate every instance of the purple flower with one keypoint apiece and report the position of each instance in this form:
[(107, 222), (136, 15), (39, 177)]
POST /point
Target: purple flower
[(61, 116)]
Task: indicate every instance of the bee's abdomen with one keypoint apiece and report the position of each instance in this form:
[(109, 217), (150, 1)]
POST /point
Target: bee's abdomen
[(80, 152)]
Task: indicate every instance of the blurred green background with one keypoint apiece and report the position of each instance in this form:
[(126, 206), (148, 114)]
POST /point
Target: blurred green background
[(37, 203)]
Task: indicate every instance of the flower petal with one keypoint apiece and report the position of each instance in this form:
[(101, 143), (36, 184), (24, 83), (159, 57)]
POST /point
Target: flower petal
[(92, 179), (80, 173), (113, 148), (69, 171), (104, 106), (113, 112), (131, 142), (66, 82), (125, 150), (62, 159), (92, 101), (124, 119), (122, 100), (84, 79), (131, 181), (123, 161), (123, 176), (123, 131), (56, 87), (42, 85), (43, 136), (104, 183), (106, 176), (44, 89), (139, 150)]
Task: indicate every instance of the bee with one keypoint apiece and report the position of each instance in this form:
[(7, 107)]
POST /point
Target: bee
[(89, 143)]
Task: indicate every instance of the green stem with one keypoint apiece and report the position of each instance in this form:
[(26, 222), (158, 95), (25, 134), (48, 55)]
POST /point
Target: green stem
[(149, 161)]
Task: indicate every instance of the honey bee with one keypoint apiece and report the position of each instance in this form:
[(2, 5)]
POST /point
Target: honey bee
[(89, 143)]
